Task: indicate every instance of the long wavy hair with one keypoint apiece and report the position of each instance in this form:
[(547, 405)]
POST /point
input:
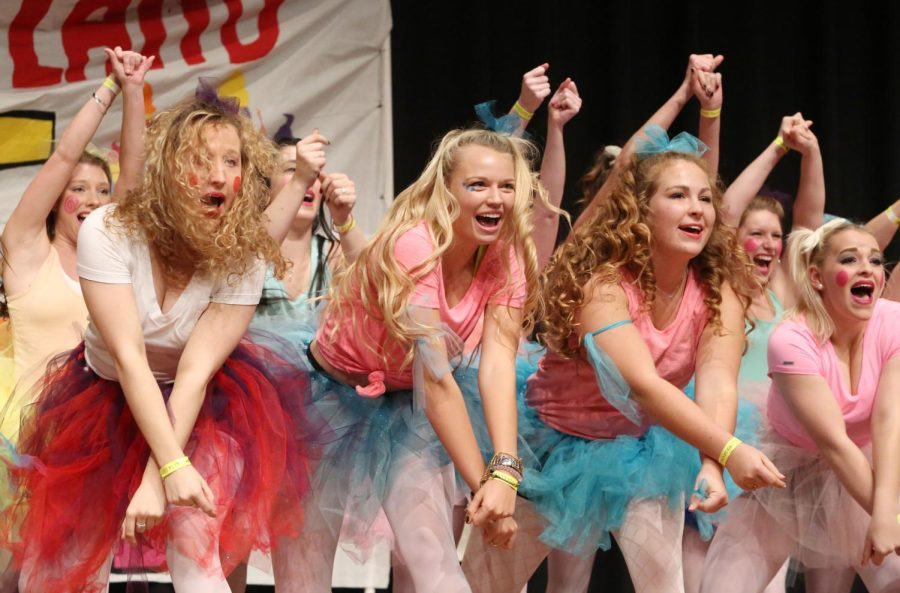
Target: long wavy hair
[(164, 208), (807, 248), (617, 239), (384, 287)]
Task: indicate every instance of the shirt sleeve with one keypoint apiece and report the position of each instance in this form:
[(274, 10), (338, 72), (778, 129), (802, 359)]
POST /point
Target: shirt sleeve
[(245, 290), (411, 249), (103, 255), (793, 350), (511, 287)]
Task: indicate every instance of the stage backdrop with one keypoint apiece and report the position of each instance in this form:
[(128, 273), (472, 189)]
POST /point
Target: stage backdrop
[(315, 63)]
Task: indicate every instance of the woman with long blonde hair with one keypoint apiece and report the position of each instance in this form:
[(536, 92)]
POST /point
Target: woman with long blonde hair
[(164, 427), (833, 426), (452, 269), (647, 292)]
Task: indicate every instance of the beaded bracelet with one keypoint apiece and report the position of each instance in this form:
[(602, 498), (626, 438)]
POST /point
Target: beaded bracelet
[(728, 449), (711, 113), (173, 466)]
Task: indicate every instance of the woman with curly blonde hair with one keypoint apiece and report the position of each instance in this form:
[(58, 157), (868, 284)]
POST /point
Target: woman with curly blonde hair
[(452, 269), (163, 427), (648, 291)]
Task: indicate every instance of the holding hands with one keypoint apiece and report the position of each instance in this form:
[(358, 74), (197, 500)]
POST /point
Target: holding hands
[(703, 80), (129, 67), (796, 133)]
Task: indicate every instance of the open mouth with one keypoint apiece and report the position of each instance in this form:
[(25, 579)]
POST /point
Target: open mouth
[(82, 216), (695, 231), (862, 292), (490, 222), (763, 264), (308, 199)]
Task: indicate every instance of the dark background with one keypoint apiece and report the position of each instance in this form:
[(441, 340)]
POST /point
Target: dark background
[(834, 62)]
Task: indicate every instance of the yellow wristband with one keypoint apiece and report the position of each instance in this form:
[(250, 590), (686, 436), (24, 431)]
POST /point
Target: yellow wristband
[(891, 216), (779, 142), (898, 518), (711, 113), (173, 466), (522, 112), (110, 83), (506, 479), (345, 228), (728, 449)]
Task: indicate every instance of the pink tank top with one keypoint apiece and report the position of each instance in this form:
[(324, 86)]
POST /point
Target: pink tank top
[(564, 391)]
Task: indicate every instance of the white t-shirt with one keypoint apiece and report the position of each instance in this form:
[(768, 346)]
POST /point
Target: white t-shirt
[(106, 255)]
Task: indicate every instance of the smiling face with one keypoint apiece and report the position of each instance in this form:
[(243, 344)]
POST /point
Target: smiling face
[(286, 168), (681, 209), (761, 236), (215, 175), (88, 188), (483, 183), (851, 276)]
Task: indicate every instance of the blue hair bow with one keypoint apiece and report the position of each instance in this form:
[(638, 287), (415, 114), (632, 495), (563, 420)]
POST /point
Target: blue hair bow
[(505, 124), (657, 142)]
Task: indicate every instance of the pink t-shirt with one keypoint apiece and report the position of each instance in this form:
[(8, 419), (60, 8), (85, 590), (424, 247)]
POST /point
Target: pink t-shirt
[(793, 350), (564, 391), (358, 348)]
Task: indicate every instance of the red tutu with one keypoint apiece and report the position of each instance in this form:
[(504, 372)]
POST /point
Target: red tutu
[(87, 458)]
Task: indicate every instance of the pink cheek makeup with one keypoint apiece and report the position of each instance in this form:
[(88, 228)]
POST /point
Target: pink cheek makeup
[(70, 204), (192, 179), (841, 278), (237, 184), (750, 245), (778, 248)]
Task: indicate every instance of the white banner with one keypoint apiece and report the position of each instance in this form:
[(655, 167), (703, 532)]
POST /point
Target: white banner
[(324, 63)]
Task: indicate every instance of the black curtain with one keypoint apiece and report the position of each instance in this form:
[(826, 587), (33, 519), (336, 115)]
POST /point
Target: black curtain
[(834, 62), (837, 63)]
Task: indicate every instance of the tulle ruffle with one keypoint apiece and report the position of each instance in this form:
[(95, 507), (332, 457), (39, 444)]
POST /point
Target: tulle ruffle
[(89, 456)]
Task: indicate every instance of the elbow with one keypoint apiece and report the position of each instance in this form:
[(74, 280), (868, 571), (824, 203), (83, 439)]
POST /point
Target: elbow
[(833, 445)]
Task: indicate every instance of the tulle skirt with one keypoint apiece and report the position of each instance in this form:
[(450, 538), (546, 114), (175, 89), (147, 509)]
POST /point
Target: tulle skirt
[(80, 457), (815, 509)]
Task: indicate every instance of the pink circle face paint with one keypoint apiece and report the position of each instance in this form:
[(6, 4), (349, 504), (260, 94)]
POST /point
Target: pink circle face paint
[(750, 245), (842, 278), (237, 184), (70, 204), (192, 179)]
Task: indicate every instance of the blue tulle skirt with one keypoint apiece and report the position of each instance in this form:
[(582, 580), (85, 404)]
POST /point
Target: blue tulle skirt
[(358, 442)]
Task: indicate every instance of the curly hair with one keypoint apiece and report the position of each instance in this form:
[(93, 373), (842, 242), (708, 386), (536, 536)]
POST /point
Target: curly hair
[(617, 238), (384, 287), (163, 209)]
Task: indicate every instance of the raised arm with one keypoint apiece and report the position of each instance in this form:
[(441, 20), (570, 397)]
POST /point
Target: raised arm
[(809, 207), (129, 69), (707, 87), (535, 88), (884, 226), (664, 116), (310, 161), (25, 240), (743, 189), (339, 193), (564, 105), (658, 398)]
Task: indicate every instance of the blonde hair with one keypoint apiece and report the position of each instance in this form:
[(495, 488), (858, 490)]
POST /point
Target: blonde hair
[(163, 209), (617, 239), (807, 248), (384, 288)]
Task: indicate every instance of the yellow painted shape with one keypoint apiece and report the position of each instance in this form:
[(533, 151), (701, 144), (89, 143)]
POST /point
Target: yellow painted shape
[(24, 139)]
